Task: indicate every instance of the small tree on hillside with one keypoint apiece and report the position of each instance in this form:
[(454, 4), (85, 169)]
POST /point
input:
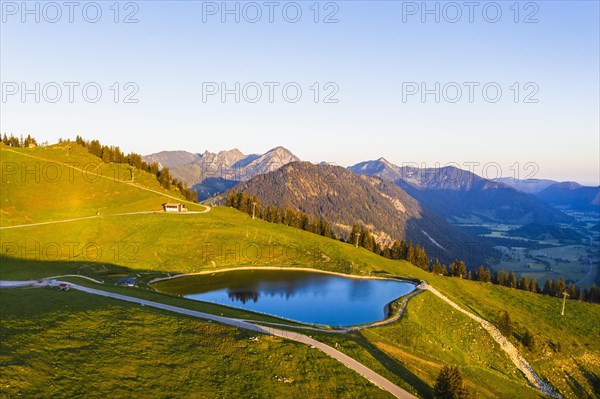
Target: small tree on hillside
[(437, 267), (533, 287), (458, 269), (396, 250), (529, 340), (487, 275), (164, 178), (504, 323), (479, 275), (410, 253), (502, 277), (420, 258), (512, 280), (524, 283), (559, 286), (462, 269), (449, 384), (573, 291)]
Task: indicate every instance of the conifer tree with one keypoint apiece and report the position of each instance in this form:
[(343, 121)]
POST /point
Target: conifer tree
[(458, 269), (512, 280), (593, 294), (559, 286), (396, 250), (548, 287), (480, 273), (533, 287), (449, 384), (164, 178), (410, 253), (487, 276), (524, 283), (573, 291), (353, 234), (529, 340), (437, 267), (502, 277)]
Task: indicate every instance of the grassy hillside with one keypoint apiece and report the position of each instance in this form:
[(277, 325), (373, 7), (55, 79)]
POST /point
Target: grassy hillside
[(70, 344), (568, 352), (409, 351), (72, 184), (438, 337)]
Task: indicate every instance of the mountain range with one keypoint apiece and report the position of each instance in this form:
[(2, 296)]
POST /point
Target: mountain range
[(572, 196), (211, 173), (462, 196), (423, 205), (458, 195), (529, 186), (345, 198)]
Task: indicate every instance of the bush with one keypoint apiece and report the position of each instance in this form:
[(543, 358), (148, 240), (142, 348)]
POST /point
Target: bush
[(529, 340), (504, 323)]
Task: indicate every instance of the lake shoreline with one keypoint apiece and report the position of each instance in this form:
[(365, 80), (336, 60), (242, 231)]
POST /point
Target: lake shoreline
[(291, 268), (391, 312)]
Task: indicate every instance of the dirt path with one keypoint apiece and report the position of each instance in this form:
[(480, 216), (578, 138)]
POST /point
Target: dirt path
[(506, 346), (207, 208), (17, 226), (75, 275), (346, 360), (44, 223)]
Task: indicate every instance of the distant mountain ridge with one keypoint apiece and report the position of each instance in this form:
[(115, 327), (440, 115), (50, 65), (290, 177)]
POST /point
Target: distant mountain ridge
[(572, 195), (345, 198), (462, 196), (212, 173), (171, 159), (529, 186)]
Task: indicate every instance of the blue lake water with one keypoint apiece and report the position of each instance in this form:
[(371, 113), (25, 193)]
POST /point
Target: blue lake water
[(303, 296)]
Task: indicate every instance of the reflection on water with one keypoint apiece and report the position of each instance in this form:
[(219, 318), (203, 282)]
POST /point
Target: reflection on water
[(244, 296), (308, 297)]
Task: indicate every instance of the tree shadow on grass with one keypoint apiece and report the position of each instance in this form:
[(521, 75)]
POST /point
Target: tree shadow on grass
[(578, 387), (591, 378), (21, 268), (394, 366)]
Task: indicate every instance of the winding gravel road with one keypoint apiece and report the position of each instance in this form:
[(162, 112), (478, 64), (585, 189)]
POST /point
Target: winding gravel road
[(347, 361), (352, 364)]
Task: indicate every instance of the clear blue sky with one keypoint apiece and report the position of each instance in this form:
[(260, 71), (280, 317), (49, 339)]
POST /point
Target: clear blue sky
[(374, 50)]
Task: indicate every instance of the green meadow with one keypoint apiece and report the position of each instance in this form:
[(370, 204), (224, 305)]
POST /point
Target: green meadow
[(57, 342), (71, 344)]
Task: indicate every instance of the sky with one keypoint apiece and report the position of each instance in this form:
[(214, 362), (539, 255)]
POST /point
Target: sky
[(502, 88)]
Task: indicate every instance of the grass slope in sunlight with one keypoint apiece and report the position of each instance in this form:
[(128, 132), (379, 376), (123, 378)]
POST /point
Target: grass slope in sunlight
[(70, 344), (71, 186), (409, 351)]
